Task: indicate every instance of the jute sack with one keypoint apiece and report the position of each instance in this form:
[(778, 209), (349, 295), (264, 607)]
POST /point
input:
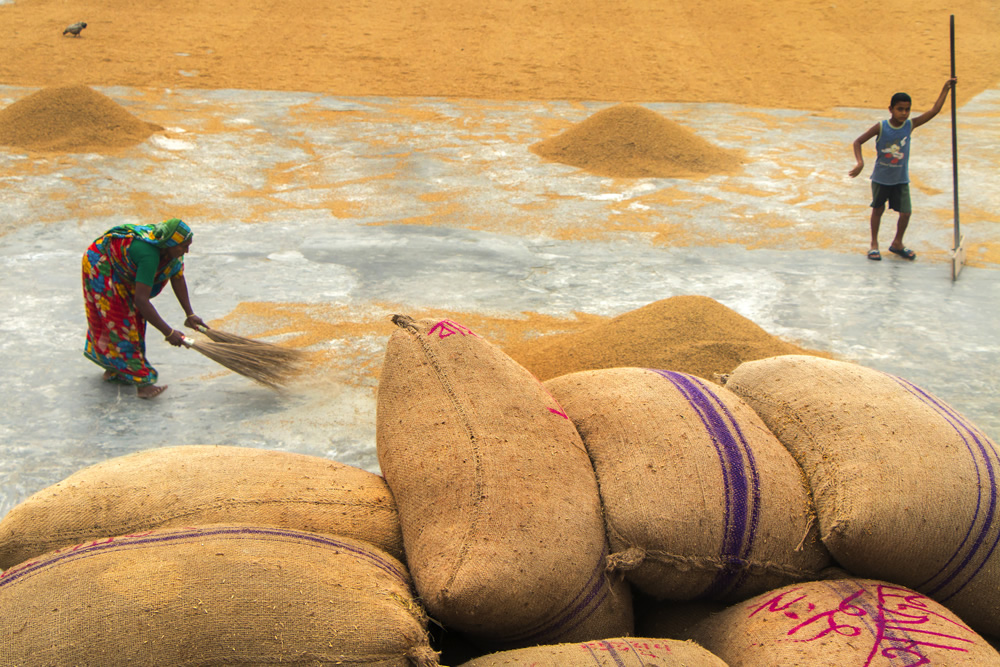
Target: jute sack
[(191, 485), (701, 500), (497, 498), (213, 595), (618, 652), (843, 622), (905, 487)]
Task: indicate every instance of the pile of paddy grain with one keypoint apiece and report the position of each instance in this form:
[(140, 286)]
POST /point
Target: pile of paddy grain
[(691, 334), (71, 119), (630, 141)]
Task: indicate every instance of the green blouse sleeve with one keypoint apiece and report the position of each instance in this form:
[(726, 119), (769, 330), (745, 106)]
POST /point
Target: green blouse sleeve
[(147, 259)]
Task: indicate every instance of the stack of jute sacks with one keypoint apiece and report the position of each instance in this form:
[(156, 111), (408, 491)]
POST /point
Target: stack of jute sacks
[(703, 493), (906, 494), (203, 555), (806, 511)]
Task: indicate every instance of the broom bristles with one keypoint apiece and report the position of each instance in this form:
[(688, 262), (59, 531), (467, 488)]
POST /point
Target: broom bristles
[(266, 363), (225, 337)]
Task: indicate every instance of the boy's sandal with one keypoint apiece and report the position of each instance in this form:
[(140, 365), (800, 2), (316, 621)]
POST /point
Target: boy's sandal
[(905, 253), (874, 254)]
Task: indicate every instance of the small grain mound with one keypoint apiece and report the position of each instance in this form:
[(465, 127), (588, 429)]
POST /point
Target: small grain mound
[(71, 119), (630, 141), (690, 334)]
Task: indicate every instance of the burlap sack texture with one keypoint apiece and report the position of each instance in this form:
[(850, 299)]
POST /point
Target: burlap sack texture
[(701, 500), (617, 652), (497, 498), (843, 622), (213, 595), (199, 484), (905, 487)]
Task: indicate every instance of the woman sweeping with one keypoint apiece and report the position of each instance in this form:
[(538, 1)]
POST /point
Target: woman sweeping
[(122, 271)]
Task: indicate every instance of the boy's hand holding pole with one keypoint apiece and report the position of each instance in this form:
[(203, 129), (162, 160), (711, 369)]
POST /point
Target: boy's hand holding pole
[(948, 85)]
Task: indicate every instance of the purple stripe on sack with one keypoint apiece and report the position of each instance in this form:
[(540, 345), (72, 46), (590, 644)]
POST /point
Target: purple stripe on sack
[(638, 655), (130, 542), (589, 599), (966, 432), (611, 652), (955, 422), (740, 477)]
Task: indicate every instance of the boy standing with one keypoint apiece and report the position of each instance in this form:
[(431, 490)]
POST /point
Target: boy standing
[(891, 177)]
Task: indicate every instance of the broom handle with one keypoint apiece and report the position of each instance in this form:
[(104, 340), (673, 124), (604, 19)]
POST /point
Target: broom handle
[(187, 342), (954, 138)]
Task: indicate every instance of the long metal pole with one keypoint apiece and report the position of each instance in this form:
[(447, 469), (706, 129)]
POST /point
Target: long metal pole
[(954, 137)]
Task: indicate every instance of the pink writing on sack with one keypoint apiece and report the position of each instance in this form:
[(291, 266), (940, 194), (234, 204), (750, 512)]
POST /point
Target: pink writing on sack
[(899, 621), (446, 328)]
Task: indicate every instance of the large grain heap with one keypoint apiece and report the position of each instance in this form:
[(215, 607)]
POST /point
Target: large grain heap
[(691, 334), (630, 141), (71, 119)]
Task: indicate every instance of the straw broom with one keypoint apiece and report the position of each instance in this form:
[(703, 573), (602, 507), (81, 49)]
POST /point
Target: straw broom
[(268, 364)]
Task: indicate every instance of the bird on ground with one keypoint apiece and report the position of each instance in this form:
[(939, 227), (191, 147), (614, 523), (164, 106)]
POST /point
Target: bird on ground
[(75, 29)]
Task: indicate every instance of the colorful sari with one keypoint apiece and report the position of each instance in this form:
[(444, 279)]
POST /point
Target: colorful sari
[(116, 331)]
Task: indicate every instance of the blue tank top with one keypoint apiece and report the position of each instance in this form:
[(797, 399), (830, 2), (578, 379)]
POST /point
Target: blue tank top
[(893, 160)]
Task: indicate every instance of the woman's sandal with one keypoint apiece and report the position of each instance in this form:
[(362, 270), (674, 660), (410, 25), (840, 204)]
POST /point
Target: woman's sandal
[(875, 254), (905, 253)]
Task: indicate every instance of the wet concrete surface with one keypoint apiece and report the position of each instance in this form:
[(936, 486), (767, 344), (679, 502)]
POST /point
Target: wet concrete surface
[(354, 204)]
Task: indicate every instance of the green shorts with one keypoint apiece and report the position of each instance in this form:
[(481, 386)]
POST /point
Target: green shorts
[(898, 196)]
